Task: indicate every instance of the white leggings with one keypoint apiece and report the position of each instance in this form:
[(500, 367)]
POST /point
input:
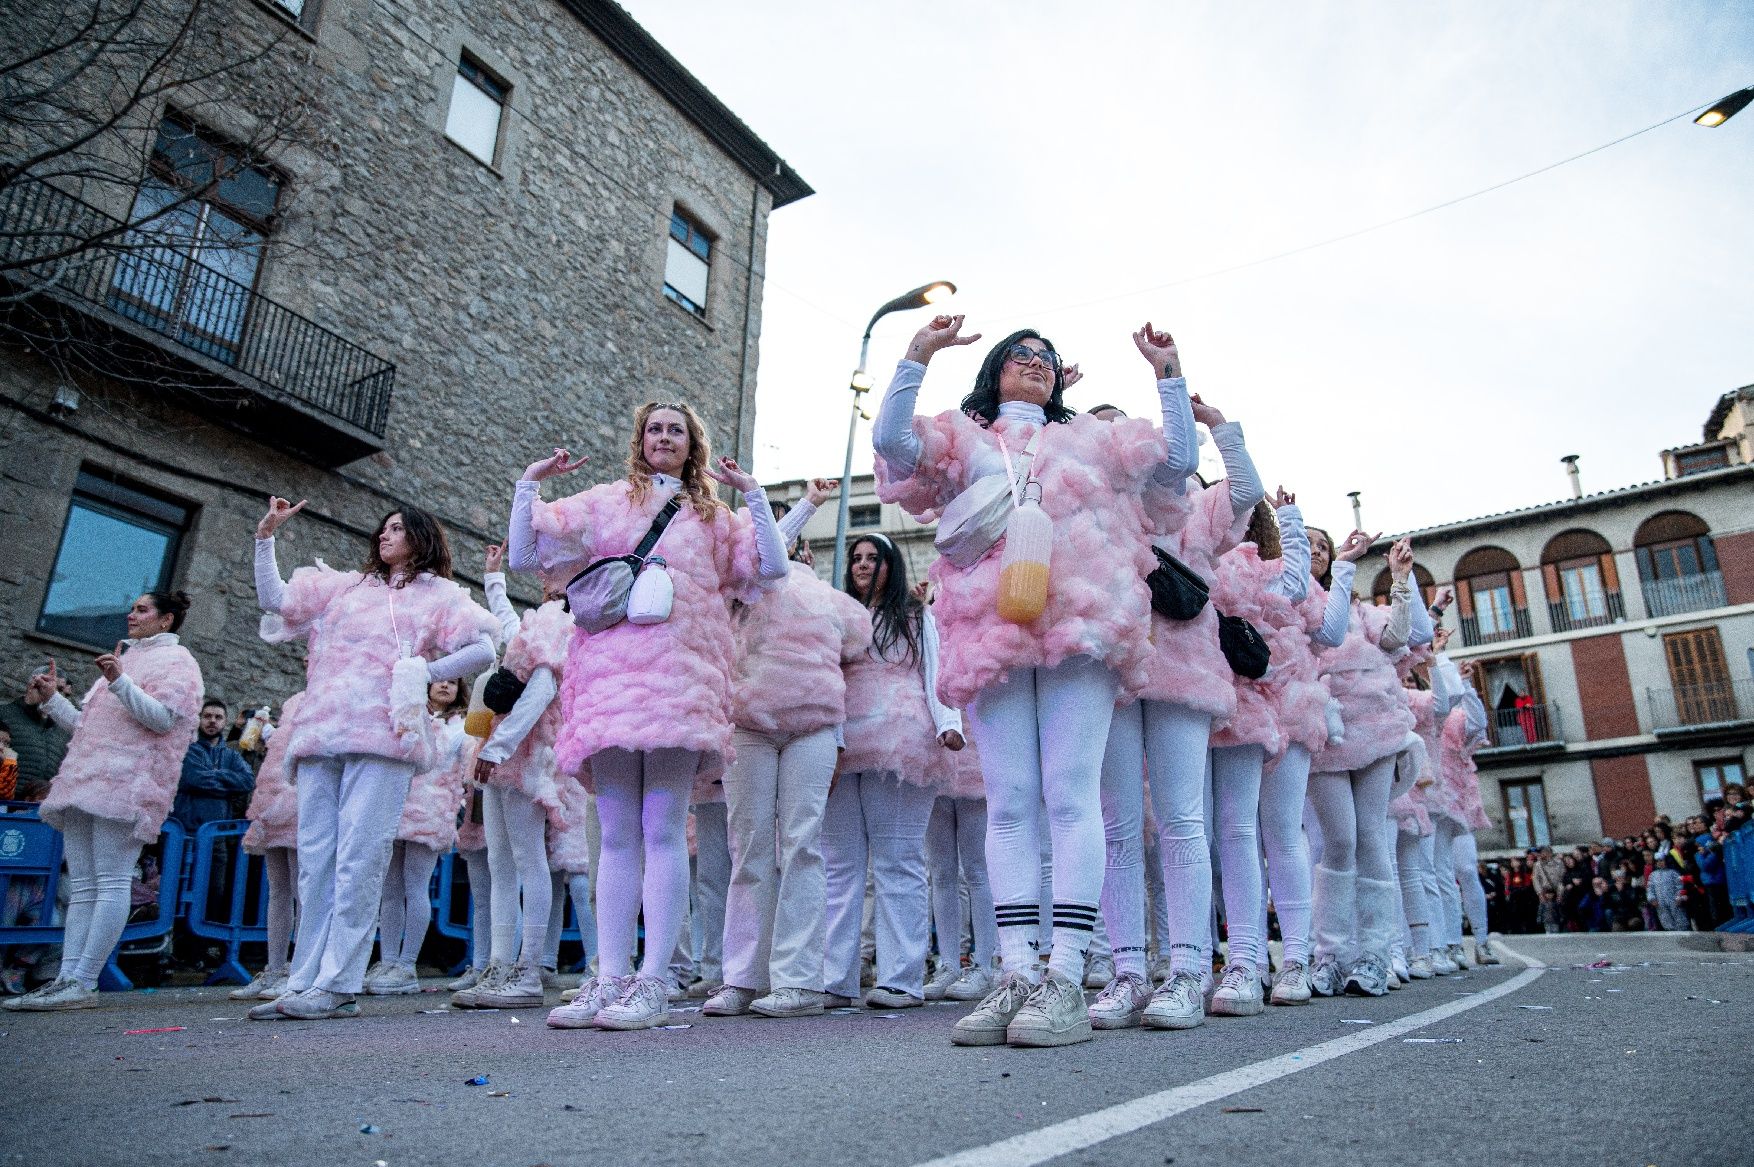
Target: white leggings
[(1413, 867), (576, 884), (100, 854), (282, 867), (517, 856), (879, 818), (1456, 860), (1236, 789), (1041, 734), (956, 846), (1351, 807), (480, 906), (406, 909), (1288, 862), (1172, 740), (642, 802)]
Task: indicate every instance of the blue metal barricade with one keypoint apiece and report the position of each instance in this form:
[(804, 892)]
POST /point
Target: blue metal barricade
[(1739, 872), (220, 859), (453, 908), (30, 850)]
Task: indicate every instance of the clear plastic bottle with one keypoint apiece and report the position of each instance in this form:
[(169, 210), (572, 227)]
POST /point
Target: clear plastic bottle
[(1023, 570), (478, 722)]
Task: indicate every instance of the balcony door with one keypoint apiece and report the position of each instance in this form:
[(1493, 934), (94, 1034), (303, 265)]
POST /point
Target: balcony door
[(1701, 677)]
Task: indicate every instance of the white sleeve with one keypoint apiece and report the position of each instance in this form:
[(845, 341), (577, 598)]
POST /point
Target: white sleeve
[(840, 736), (1400, 625), (893, 434), (1476, 714), (1337, 616), (1239, 469), (1293, 579), (1421, 631), (523, 544), (142, 706), (500, 604), (770, 545), (943, 717), (793, 524), (270, 588), (62, 712), (471, 658), (515, 726), (1443, 688), (1183, 457)]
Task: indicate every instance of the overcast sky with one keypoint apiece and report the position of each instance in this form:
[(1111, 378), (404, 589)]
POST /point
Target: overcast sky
[(1079, 168)]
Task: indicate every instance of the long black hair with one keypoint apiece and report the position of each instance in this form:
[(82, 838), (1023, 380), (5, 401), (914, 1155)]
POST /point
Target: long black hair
[(895, 615), (983, 400)]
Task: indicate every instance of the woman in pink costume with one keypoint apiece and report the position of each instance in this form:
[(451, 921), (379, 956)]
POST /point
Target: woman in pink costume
[(116, 784), (1455, 862), (428, 829), (377, 638), (645, 708), (1409, 824), (1349, 790), (273, 834), (1164, 736), (1039, 696), (788, 696)]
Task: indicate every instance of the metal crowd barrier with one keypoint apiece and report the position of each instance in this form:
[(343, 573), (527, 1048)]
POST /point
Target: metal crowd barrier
[(245, 918), (1739, 871)]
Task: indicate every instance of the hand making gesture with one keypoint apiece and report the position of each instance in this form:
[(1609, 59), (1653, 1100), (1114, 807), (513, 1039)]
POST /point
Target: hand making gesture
[(1401, 560), (279, 510), (821, 490), (1159, 349), (733, 475), (553, 467), (941, 332), (1356, 546)]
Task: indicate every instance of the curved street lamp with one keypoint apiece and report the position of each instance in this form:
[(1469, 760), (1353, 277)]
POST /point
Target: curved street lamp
[(1722, 111), (862, 382)]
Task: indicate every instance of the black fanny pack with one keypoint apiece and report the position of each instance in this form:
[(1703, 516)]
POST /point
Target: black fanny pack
[(1177, 591), (502, 690), (1244, 648)]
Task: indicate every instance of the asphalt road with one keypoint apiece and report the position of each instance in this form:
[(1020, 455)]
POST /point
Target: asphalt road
[(1644, 1062)]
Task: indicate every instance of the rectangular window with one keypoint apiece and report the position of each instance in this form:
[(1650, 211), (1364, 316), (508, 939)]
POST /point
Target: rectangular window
[(1493, 607), (1699, 461), (190, 268), (119, 542), (477, 109), (1718, 773), (687, 263), (1701, 677), (865, 516), (1585, 597), (1525, 814)]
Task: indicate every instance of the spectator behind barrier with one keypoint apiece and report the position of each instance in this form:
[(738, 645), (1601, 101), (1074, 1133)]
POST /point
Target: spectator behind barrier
[(38, 741), (213, 774)]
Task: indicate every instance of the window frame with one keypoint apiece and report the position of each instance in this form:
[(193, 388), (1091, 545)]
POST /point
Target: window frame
[(121, 501), (1535, 837), (858, 512), (1700, 765), (693, 231), (471, 70)]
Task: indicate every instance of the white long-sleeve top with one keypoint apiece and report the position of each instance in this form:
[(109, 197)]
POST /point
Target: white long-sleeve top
[(894, 438), (271, 596), (793, 524), (1292, 582), (515, 726), (499, 602), (1337, 616), (944, 718), (1239, 469), (142, 706), (1451, 691), (1398, 633)]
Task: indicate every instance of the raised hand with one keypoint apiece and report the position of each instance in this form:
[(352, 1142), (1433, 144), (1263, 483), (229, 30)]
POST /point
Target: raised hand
[(1206, 415), (821, 490), (1356, 546), (941, 332), (42, 686), (1467, 669), (1159, 349), (1070, 375), (1283, 498), (951, 740), (733, 475), (1445, 596), (279, 510), (110, 663), (494, 559), (553, 467), (1440, 638), (1401, 559)]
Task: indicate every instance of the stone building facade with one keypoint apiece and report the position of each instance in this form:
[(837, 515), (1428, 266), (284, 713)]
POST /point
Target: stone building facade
[(501, 227)]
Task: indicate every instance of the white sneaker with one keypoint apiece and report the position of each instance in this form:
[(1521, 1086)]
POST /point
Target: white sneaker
[(276, 988), (1369, 976), (988, 1023), (974, 984), (1055, 1014), (1292, 987), (948, 974), (1457, 956), (470, 978), (491, 978), (1178, 1004), (1419, 968), (253, 990), (1398, 966), (1238, 993), (1326, 979), (1099, 972), (1121, 1003), (789, 1003), (398, 981), (520, 988), (644, 1004), (269, 1010), (701, 989), (373, 973), (588, 1000), (317, 1005), (63, 993), (883, 997), (673, 991), (1441, 964), (836, 1001), (550, 977), (729, 1001), (1483, 952)]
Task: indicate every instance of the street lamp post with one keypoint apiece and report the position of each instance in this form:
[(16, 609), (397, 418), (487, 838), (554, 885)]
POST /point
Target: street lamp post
[(861, 383), (1722, 111)]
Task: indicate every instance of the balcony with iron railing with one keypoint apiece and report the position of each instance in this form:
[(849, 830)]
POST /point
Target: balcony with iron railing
[(1599, 609), (1709, 707), (1687, 593), (1530, 729), (160, 316), (1475, 631)]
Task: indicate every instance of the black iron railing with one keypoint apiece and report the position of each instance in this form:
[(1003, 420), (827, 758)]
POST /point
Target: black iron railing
[(1531, 725), (1612, 610), (1709, 703), (145, 277), (1688, 593), (1473, 633)]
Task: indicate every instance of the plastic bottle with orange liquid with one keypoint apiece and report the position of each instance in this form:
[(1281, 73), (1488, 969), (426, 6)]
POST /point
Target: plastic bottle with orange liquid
[(1023, 569), (478, 722)]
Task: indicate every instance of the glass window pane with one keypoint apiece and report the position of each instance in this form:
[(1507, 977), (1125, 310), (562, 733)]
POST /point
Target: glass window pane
[(296, 7), (184, 151), (701, 246), (1493, 608), (150, 270), (1517, 817), (678, 226), (1585, 598), (686, 272), (250, 189), (1538, 813), (473, 121), (106, 560)]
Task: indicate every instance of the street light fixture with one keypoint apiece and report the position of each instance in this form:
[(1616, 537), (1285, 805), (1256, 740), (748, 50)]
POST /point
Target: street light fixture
[(861, 384), (1722, 111)]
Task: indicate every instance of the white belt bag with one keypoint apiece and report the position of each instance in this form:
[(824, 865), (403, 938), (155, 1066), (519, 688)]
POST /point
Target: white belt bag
[(976, 518)]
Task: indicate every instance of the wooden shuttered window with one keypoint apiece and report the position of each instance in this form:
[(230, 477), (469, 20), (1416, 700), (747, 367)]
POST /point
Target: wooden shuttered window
[(1701, 677)]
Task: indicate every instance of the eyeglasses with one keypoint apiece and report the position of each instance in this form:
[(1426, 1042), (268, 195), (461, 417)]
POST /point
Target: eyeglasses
[(1022, 354)]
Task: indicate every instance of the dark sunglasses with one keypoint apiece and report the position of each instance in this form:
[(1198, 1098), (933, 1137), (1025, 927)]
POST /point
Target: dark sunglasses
[(1022, 354)]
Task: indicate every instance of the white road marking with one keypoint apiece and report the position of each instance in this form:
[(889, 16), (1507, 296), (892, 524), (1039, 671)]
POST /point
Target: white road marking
[(1077, 1134)]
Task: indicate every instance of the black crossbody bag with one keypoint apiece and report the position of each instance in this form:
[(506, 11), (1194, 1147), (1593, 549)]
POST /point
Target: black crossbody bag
[(1177, 591)]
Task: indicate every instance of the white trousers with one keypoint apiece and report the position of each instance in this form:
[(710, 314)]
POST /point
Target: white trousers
[(577, 885), (1236, 787), (100, 855), (878, 819), (348, 811), (1172, 740), (517, 856), (1456, 861), (956, 845), (642, 804), (405, 908), (776, 794), (1041, 734), (1356, 865)]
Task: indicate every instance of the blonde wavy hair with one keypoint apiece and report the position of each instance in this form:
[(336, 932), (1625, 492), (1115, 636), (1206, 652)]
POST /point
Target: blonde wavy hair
[(697, 487)]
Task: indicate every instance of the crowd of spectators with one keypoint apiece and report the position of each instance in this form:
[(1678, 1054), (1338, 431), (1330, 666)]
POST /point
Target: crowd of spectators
[(1671, 878)]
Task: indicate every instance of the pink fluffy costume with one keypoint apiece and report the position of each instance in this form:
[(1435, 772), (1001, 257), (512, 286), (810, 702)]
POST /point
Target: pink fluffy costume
[(273, 834), (361, 734), (1040, 696), (113, 793), (789, 699), (1458, 813), (645, 708)]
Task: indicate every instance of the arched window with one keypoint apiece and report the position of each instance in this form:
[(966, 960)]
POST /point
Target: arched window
[(1582, 584), (1379, 591), (1489, 592), (1677, 564)]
